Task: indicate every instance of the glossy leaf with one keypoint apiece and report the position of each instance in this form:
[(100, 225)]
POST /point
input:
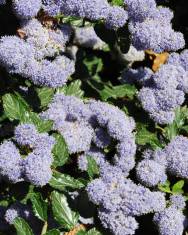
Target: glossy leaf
[(22, 227), (62, 212), (53, 232), (61, 181), (178, 187), (40, 207), (60, 151)]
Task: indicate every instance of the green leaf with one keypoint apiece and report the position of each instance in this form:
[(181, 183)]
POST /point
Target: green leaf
[(143, 137), (93, 64), (60, 151), (40, 207), (180, 117), (74, 88), (15, 107), (165, 187), (118, 2), (42, 125), (73, 20), (120, 91), (61, 181), (53, 232), (81, 232), (92, 231), (22, 227), (62, 212), (45, 95), (177, 187), (92, 168)]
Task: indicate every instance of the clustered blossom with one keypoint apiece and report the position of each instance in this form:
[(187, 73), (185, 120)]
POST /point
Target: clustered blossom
[(164, 90), (177, 156), (177, 201), (10, 162), (150, 173), (118, 222), (95, 130), (181, 62), (29, 56), (35, 167), (113, 16), (26, 9), (170, 221), (172, 159), (151, 27), (94, 123), (120, 200)]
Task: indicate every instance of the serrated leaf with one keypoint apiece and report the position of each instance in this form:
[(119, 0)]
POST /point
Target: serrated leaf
[(62, 212), (39, 206), (42, 125), (93, 64), (53, 232), (165, 187), (92, 167), (15, 107), (73, 20), (92, 231), (22, 227), (60, 151), (177, 187), (45, 95), (118, 92), (74, 88), (143, 137), (173, 129), (61, 181)]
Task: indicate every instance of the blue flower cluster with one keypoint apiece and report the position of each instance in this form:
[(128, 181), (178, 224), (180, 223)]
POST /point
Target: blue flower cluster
[(113, 16), (34, 167), (164, 90), (172, 159), (28, 56), (120, 200), (170, 221), (93, 124), (151, 28), (97, 134)]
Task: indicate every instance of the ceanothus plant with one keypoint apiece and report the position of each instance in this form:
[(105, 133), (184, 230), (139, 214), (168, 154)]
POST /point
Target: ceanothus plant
[(93, 117)]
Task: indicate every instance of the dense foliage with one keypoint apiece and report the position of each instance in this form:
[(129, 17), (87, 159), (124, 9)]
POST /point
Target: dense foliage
[(93, 117)]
